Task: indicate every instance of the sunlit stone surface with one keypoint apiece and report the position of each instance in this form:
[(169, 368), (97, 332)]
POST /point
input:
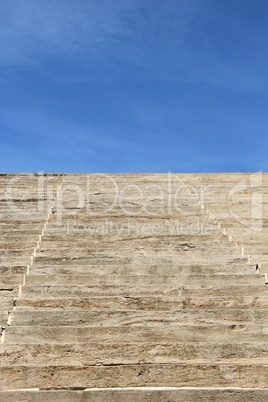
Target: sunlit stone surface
[(134, 287)]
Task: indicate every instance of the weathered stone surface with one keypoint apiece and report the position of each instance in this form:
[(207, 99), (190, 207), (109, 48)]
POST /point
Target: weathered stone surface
[(160, 375), (141, 394), (110, 318), (132, 302), (178, 333), (201, 280), (122, 352), (143, 282)]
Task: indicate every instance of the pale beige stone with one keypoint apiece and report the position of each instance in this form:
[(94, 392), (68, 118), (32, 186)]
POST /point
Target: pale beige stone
[(151, 283)]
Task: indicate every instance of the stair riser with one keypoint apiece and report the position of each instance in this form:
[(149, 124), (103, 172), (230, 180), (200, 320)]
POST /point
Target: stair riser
[(132, 353), (179, 333), (138, 395), (135, 376)]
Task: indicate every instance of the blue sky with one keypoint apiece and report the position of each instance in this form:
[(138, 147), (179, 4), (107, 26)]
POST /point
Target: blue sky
[(133, 85)]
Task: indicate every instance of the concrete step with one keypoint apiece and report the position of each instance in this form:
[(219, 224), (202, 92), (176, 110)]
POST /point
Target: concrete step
[(255, 238), (120, 352), (110, 229), (15, 261), (67, 238), (101, 290), (26, 222), (138, 318), (140, 259), (13, 270), (143, 303), (179, 333), (243, 290), (123, 243), (248, 231), (160, 375), (167, 269), (8, 293), (183, 248), (261, 260), (17, 253), (139, 290), (245, 221), (8, 233), (146, 260), (92, 258), (184, 291), (201, 280), (6, 303), (104, 207), (17, 245), (140, 394), (256, 250), (11, 280), (10, 242), (184, 257)]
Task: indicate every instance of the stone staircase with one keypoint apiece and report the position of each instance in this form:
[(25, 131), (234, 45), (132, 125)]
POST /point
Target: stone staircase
[(134, 287)]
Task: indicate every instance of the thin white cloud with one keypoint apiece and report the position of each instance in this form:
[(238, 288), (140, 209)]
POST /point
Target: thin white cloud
[(33, 30)]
